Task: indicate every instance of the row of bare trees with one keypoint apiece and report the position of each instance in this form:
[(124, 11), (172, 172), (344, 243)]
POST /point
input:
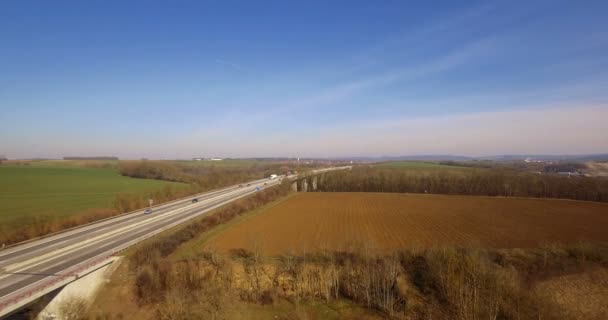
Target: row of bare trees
[(440, 283), (496, 182), (36, 226), (203, 176)]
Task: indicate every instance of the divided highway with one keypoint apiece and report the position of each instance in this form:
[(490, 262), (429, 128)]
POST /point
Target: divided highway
[(31, 264)]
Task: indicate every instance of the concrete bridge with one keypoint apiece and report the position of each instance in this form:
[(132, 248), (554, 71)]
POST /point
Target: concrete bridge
[(310, 181), (33, 269), (70, 259)]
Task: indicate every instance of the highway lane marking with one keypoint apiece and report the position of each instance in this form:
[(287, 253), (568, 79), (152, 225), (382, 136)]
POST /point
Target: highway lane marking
[(102, 223), (189, 216), (110, 221), (144, 229), (81, 245), (97, 239), (134, 241), (221, 201), (106, 225)]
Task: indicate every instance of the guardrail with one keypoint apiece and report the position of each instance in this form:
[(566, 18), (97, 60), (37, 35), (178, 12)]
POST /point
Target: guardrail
[(168, 203), (48, 284), (51, 283)]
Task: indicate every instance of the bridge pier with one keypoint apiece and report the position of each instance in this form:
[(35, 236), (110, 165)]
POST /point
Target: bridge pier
[(294, 186), (314, 183)]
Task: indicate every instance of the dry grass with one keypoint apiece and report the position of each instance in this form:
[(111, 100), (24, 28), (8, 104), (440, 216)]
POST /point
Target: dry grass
[(386, 222), (580, 295), (597, 169)]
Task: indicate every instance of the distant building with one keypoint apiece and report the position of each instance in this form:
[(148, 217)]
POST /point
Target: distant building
[(216, 159), (528, 160)]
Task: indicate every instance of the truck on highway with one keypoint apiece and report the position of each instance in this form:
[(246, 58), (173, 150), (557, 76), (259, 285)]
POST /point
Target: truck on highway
[(273, 176)]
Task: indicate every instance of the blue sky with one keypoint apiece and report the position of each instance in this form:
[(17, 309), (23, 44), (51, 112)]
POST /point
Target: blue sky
[(181, 79)]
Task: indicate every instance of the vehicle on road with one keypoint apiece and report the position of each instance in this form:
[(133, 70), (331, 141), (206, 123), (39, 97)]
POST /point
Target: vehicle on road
[(194, 200), (148, 211), (248, 184), (257, 188), (273, 176), (264, 183)]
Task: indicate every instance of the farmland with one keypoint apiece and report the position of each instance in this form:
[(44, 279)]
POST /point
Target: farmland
[(381, 222), (411, 165), (417, 168), (597, 169), (62, 189)]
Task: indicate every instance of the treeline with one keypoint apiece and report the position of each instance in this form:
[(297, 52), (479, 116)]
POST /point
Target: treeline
[(564, 167), (449, 283), (37, 226), (496, 182), (469, 164), (204, 177)]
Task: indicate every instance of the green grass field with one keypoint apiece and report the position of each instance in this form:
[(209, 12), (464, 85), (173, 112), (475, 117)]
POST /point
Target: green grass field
[(62, 189)]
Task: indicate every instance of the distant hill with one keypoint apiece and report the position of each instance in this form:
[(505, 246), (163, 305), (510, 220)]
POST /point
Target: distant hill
[(90, 158), (552, 157), (505, 157), (408, 158)]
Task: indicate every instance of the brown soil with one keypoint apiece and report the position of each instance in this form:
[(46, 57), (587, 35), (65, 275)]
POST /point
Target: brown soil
[(380, 223)]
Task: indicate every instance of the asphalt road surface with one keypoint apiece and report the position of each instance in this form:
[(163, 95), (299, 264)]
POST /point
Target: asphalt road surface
[(24, 265)]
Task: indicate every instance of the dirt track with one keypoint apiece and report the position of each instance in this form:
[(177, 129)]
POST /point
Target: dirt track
[(383, 222)]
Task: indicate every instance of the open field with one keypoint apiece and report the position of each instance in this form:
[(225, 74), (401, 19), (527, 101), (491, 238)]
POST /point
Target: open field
[(418, 168), (384, 222), (62, 189), (597, 169), (411, 165), (63, 163), (226, 162)]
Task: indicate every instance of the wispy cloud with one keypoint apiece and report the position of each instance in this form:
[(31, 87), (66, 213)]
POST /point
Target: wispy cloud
[(404, 74)]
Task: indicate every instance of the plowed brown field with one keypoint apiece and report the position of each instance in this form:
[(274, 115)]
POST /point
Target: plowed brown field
[(381, 222)]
